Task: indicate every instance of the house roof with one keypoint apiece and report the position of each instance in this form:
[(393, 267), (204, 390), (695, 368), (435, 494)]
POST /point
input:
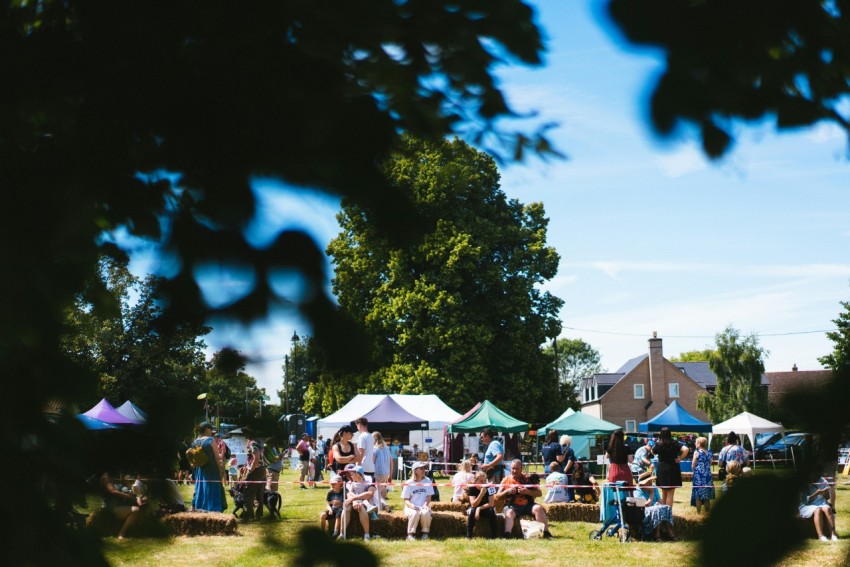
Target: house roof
[(784, 382), (699, 372)]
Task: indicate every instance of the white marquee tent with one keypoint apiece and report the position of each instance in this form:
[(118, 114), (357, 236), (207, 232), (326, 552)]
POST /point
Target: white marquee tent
[(427, 407), (747, 424)]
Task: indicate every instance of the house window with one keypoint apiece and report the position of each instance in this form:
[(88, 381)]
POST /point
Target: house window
[(673, 390), (638, 391), (631, 425)]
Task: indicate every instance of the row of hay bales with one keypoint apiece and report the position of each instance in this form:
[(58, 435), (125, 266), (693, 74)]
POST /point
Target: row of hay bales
[(449, 520)]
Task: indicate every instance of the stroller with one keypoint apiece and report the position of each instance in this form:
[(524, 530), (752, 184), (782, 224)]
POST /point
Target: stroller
[(620, 514)]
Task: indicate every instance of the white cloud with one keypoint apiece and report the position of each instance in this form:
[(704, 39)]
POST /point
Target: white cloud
[(687, 160), (825, 132)]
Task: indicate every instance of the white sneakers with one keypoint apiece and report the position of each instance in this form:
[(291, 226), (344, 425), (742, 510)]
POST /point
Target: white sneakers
[(834, 537), (366, 537), (823, 538), (424, 537), (411, 537)]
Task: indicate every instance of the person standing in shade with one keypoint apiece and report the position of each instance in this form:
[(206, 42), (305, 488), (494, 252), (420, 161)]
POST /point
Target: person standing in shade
[(366, 445), (417, 502), (255, 477), (344, 451), (618, 459), (702, 492), (493, 456)]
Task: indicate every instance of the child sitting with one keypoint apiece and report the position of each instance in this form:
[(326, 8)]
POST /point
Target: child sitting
[(481, 503), (334, 506)]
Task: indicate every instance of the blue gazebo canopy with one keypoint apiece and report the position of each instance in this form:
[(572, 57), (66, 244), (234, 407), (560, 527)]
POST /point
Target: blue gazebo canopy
[(675, 418)]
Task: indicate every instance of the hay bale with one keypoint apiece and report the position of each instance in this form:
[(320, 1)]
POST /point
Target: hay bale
[(458, 507), (200, 523), (443, 524), (572, 512)]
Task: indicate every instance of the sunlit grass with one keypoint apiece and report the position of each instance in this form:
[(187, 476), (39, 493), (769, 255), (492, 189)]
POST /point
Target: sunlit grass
[(275, 543)]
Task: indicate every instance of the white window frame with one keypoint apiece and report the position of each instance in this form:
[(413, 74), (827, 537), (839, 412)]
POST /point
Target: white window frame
[(670, 388), (631, 425), (642, 391)]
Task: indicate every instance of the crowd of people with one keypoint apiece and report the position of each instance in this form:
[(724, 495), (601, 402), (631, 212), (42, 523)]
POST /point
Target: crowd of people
[(362, 464)]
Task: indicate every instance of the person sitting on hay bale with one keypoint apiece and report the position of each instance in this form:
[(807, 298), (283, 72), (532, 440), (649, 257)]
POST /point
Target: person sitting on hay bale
[(416, 493), (335, 500), (361, 493), (519, 500), (123, 504)]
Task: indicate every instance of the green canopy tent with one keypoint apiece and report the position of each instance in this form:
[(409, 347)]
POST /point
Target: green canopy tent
[(488, 415), (581, 427)]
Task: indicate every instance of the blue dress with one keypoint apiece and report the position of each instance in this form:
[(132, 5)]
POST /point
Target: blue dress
[(703, 482), (209, 491)]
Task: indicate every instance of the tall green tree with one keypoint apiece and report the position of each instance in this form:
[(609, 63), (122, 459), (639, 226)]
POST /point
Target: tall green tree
[(738, 363), (230, 390), (575, 359), (460, 313), (694, 356), (123, 339), (154, 118)]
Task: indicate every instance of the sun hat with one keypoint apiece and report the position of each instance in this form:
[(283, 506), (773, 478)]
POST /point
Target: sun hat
[(355, 468), (418, 465)]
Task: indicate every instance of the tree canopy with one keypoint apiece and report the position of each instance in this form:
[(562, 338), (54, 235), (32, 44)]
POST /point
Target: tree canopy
[(153, 118), (782, 60), (738, 363), (458, 314), (120, 337), (575, 360), (694, 356)]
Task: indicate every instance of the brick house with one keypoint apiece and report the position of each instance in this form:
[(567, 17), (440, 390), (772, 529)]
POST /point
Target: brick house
[(782, 383), (644, 386)]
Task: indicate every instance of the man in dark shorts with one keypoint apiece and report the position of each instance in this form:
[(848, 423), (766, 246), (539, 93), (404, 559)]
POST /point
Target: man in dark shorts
[(256, 478), (519, 500)]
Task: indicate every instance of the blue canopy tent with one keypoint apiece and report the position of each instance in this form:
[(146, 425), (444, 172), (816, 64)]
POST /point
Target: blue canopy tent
[(675, 418), (93, 424)]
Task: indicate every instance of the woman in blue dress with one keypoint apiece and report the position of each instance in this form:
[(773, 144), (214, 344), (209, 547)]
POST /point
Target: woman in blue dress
[(702, 492), (209, 490)]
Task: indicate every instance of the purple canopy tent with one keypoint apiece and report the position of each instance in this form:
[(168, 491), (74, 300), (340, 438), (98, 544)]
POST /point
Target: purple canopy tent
[(129, 410), (105, 412), (388, 415)]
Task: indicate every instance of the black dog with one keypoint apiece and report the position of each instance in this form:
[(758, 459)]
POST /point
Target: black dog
[(271, 500)]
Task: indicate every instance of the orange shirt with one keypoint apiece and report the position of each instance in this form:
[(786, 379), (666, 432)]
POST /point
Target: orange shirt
[(517, 499)]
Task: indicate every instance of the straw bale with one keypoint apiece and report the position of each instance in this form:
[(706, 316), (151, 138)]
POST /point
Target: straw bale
[(200, 523), (572, 512), (443, 524)]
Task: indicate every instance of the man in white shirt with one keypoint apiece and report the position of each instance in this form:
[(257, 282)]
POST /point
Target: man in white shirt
[(366, 444), (417, 501)]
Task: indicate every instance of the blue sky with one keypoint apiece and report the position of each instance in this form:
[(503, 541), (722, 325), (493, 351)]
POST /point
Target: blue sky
[(652, 236)]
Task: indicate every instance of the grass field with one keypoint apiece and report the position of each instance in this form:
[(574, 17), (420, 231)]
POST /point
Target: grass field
[(276, 542)]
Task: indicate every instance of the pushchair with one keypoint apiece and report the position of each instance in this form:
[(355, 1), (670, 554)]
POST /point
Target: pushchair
[(620, 514)]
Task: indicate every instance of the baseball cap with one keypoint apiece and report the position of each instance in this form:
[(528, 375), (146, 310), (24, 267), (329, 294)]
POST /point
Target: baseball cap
[(651, 443), (336, 478), (418, 465)]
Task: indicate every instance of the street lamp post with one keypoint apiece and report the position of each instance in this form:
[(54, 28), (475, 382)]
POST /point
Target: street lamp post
[(295, 339), (286, 381)]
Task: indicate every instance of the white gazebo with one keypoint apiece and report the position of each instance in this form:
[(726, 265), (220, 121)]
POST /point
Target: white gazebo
[(748, 424)]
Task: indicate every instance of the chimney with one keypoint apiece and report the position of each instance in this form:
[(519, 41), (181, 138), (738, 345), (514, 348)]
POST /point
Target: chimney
[(794, 368), (657, 383)]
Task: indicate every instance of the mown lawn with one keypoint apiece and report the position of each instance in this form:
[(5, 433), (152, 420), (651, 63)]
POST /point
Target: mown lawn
[(275, 543)]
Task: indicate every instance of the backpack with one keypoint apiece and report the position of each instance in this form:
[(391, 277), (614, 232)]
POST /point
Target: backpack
[(196, 456)]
